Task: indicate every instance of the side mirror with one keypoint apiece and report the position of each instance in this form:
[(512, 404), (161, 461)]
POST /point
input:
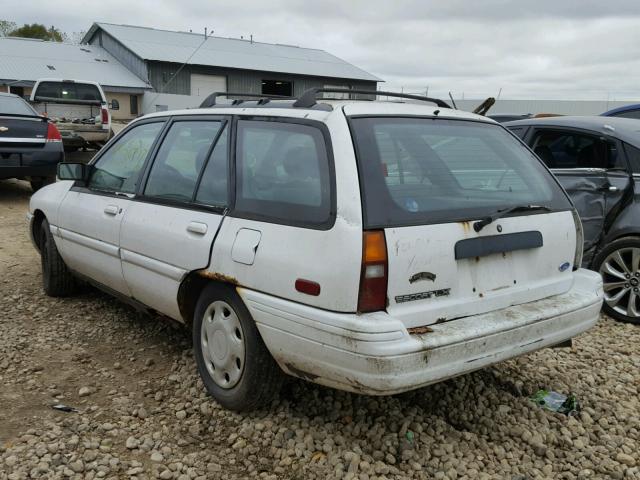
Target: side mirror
[(73, 171)]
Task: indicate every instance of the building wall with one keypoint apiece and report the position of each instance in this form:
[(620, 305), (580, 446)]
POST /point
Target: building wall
[(125, 56), (243, 81), (124, 99)]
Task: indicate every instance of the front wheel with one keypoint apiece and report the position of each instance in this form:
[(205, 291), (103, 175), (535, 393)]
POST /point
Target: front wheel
[(619, 265), (234, 364)]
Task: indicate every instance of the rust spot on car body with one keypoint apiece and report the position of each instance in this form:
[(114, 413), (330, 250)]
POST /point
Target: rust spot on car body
[(419, 330), (218, 277), (466, 226)]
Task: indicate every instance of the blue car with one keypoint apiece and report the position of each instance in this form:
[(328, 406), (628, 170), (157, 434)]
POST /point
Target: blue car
[(628, 111)]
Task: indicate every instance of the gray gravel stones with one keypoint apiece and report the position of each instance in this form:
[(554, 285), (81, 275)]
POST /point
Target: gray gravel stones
[(149, 420)]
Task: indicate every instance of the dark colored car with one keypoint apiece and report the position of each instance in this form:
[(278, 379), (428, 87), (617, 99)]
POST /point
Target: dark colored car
[(597, 161), (628, 111), (30, 145)]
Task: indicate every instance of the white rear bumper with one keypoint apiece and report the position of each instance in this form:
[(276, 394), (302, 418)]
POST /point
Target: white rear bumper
[(374, 353)]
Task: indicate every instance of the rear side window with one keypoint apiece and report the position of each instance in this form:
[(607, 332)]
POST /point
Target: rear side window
[(213, 188), (118, 170), (633, 154), (568, 149), (15, 106), (180, 160), (282, 172), (68, 91)]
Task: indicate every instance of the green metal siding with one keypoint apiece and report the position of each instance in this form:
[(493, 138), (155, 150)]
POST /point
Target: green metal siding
[(241, 81)]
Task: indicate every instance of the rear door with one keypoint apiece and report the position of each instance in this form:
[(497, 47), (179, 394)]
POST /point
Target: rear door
[(90, 217), (168, 230), (426, 182), (592, 170)]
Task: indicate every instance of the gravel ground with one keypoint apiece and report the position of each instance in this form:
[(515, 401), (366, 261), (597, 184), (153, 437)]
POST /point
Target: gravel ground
[(143, 413)]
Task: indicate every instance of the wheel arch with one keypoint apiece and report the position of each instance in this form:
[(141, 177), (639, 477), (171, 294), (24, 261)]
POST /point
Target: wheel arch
[(36, 227), (192, 286)]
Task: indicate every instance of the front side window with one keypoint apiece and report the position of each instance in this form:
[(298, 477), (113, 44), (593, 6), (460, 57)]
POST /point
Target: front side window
[(282, 172), (180, 159), (415, 171), (213, 186), (118, 170), (568, 149)]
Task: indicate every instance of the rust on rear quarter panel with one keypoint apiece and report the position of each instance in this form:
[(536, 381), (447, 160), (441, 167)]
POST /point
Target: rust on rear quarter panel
[(419, 330), (218, 277)]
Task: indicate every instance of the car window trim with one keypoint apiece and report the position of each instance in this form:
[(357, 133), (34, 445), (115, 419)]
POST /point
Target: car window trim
[(330, 221), (78, 187)]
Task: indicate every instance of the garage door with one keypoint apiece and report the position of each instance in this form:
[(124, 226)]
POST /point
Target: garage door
[(203, 85)]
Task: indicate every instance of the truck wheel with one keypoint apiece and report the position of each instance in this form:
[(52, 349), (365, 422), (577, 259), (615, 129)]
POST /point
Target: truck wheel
[(619, 265), (57, 280), (234, 364), (39, 182)]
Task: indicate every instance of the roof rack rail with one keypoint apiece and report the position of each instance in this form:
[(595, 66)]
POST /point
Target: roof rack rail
[(210, 101), (308, 98)]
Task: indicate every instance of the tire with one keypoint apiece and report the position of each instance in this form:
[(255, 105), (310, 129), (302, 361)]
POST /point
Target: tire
[(619, 265), (244, 377), (39, 182), (57, 280)]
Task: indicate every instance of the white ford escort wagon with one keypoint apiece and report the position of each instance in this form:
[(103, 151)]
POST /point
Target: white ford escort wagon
[(370, 246)]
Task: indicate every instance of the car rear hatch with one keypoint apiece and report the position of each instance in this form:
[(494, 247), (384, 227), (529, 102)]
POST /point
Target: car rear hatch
[(427, 182)]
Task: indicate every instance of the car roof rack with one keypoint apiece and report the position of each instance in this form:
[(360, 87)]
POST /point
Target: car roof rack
[(210, 101), (308, 98)]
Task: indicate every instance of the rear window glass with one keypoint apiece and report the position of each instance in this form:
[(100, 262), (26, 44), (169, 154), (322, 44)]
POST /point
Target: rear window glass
[(69, 91), (15, 106), (416, 171)]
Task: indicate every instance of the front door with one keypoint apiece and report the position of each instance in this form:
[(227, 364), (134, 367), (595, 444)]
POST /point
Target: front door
[(169, 229), (592, 170), (90, 217)]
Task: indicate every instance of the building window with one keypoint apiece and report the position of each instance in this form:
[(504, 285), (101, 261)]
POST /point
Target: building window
[(17, 90), (133, 104), (277, 87)]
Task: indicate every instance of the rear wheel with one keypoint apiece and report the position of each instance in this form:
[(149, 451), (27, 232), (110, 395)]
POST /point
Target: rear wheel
[(235, 366), (38, 182), (57, 280), (619, 265)]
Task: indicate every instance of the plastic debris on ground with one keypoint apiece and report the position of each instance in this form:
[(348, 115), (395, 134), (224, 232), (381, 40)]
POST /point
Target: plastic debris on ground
[(64, 408), (557, 402)]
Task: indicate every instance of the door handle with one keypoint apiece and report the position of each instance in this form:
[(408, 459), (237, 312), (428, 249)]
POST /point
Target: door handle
[(197, 227), (111, 209)]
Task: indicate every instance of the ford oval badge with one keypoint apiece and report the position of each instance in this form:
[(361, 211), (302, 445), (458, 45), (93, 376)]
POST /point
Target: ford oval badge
[(564, 266)]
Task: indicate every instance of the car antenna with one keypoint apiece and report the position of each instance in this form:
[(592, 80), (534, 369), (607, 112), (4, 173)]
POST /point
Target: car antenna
[(453, 102)]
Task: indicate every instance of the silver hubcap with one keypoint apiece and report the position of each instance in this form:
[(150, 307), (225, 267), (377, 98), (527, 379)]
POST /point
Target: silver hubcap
[(222, 342), (621, 275)]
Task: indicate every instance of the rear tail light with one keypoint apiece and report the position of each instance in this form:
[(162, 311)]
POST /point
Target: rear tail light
[(104, 116), (373, 277), (53, 134), (577, 258)]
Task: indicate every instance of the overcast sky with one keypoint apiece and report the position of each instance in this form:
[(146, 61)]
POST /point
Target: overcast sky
[(538, 49)]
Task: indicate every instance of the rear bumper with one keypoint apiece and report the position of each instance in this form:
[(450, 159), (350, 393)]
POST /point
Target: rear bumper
[(374, 354), (41, 162)]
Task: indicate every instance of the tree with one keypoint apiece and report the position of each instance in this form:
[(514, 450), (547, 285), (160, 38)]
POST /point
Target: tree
[(7, 26), (37, 30)]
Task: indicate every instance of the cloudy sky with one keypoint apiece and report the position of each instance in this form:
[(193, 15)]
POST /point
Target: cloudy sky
[(540, 49)]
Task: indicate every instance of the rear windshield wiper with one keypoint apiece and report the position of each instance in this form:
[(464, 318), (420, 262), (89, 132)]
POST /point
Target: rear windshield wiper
[(480, 224)]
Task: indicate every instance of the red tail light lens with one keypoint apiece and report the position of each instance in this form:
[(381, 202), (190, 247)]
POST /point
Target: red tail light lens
[(373, 279), (53, 134), (105, 116)]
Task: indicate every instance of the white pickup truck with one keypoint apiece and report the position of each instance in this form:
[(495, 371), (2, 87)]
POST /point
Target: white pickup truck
[(77, 107)]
